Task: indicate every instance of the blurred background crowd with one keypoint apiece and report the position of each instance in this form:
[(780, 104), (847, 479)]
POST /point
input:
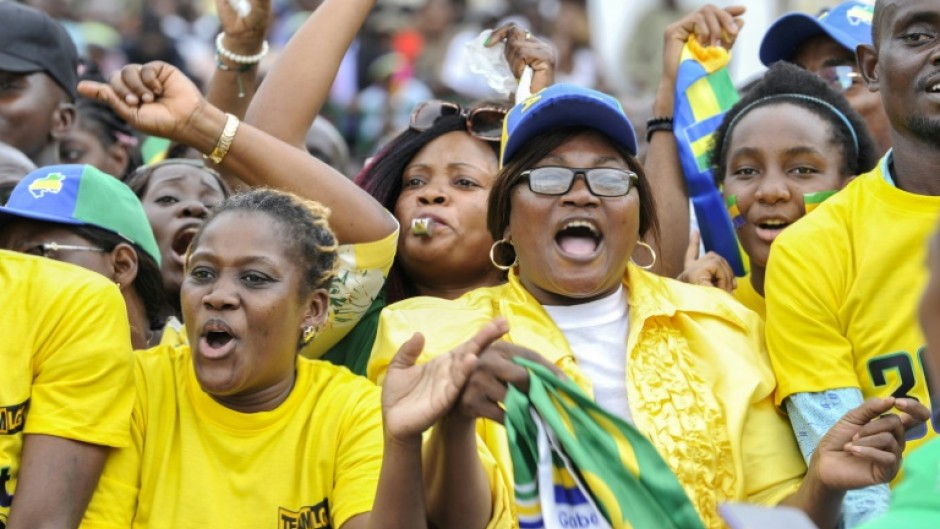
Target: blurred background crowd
[(412, 50)]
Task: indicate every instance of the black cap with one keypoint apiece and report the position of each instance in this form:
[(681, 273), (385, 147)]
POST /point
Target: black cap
[(31, 41)]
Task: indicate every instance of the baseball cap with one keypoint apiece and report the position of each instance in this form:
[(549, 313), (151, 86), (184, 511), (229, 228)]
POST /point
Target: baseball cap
[(81, 195), (848, 23), (31, 41), (565, 105), (915, 502)]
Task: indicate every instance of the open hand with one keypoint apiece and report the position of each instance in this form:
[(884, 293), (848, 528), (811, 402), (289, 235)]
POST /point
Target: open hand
[(525, 49), (710, 269), (711, 25), (864, 448), (155, 98), (414, 397)]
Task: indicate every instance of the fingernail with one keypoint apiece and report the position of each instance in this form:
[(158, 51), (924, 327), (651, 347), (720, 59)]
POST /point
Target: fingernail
[(488, 39), (855, 437)]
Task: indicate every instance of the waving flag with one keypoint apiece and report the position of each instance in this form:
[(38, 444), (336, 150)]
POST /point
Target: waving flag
[(575, 465), (704, 92)]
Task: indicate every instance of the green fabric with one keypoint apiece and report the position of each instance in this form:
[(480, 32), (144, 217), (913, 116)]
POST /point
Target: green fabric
[(599, 447), (354, 349)]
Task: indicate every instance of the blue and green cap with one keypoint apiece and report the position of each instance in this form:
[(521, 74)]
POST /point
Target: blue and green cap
[(81, 195), (565, 105)]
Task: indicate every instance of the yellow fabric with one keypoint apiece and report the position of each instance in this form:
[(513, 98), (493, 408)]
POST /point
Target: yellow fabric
[(747, 296), (65, 359), (361, 271), (195, 463), (842, 289), (699, 382)]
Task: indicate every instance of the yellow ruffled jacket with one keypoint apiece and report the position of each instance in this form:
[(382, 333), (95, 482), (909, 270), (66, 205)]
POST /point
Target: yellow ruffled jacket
[(699, 381)]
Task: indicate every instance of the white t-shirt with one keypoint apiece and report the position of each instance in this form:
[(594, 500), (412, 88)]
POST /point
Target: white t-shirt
[(597, 334)]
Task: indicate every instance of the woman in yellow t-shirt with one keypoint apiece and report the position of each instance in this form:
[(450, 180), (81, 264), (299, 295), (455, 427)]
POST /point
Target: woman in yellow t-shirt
[(238, 430), (684, 363)]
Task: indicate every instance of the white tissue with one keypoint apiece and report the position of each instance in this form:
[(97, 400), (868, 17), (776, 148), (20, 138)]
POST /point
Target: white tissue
[(242, 7), (490, 63)]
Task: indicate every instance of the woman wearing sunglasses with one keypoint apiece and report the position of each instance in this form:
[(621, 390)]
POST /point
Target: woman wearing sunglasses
[(434, 177), (685, 364)]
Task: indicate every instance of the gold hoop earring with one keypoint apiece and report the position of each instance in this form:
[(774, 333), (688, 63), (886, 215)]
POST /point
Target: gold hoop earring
[(652, 253), (515, 259), (309, 331)]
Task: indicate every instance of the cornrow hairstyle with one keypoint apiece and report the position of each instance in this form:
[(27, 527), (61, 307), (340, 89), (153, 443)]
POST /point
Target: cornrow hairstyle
[(533, 151), (149, 282), (381, 178), (788, 84), (304, 227), (100, 120), (139, 180)]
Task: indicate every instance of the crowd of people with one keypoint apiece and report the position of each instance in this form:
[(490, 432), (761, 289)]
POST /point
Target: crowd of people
[(213, 318)]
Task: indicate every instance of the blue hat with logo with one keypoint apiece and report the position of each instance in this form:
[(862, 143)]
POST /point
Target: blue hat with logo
[(81, 195), (848, 23), (565, 105)]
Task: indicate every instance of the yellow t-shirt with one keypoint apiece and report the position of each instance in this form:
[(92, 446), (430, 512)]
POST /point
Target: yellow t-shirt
[(312, 462), (747, 296), (699, 382), (361, 271), (65, 360), (842, 292)]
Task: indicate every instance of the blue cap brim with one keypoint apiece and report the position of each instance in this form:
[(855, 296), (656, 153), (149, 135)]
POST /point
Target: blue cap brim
[(8, 214), (787, 34), (572, 110)]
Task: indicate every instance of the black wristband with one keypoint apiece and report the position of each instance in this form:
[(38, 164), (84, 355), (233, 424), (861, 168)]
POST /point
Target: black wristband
[(656, 125)]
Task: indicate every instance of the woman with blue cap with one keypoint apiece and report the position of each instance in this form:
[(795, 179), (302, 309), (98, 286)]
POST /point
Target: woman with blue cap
[(685, 364)]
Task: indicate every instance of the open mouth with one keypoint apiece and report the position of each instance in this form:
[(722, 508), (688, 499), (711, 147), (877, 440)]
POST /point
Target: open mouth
[(217, 340), (934, 88), (182, 241), (769, 229), (579, 238)]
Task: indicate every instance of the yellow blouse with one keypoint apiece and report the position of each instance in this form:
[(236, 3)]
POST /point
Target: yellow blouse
[(699, 381)]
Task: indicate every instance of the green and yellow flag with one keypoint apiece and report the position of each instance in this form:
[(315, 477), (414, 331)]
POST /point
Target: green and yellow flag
[(576, 465)]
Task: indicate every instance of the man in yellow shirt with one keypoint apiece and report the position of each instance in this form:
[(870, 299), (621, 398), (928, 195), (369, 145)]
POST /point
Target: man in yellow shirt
[(843, 283), (66, 387)]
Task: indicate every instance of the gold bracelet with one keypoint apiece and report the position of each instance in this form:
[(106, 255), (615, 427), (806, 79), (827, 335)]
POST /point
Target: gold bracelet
[(225, 140)]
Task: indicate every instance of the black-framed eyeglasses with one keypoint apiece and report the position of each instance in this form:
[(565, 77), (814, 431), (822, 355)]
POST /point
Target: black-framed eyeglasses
[(841, 78), (601, 181), (49, 248), (485, 123)]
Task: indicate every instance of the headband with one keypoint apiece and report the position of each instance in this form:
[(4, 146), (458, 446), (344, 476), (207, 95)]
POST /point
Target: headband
[(799, 97)]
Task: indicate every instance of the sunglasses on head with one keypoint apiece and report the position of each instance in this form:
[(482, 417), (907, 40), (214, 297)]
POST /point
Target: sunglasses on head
[(601, 181), (485, 123), (841, 78)]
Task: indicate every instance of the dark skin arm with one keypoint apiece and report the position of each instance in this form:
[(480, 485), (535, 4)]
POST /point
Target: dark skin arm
[(159, 100), (712, 26), (311, 60), (56, 480), (243, 36), (864, 448)]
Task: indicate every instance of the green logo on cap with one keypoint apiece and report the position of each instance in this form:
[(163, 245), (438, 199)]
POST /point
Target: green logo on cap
[(51, 183)]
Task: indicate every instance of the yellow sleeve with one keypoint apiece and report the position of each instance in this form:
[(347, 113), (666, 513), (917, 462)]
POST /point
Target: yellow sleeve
[(805, 285), (360, 276), (114, 503), (83, 374), (358, 455)]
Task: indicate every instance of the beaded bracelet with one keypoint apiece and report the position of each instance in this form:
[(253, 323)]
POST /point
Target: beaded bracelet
[(656, 125), (240, 59)]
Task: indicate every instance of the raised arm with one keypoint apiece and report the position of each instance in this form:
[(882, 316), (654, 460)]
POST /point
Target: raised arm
[(310, 60), (712, 26), (159, 100), (233, 84)]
